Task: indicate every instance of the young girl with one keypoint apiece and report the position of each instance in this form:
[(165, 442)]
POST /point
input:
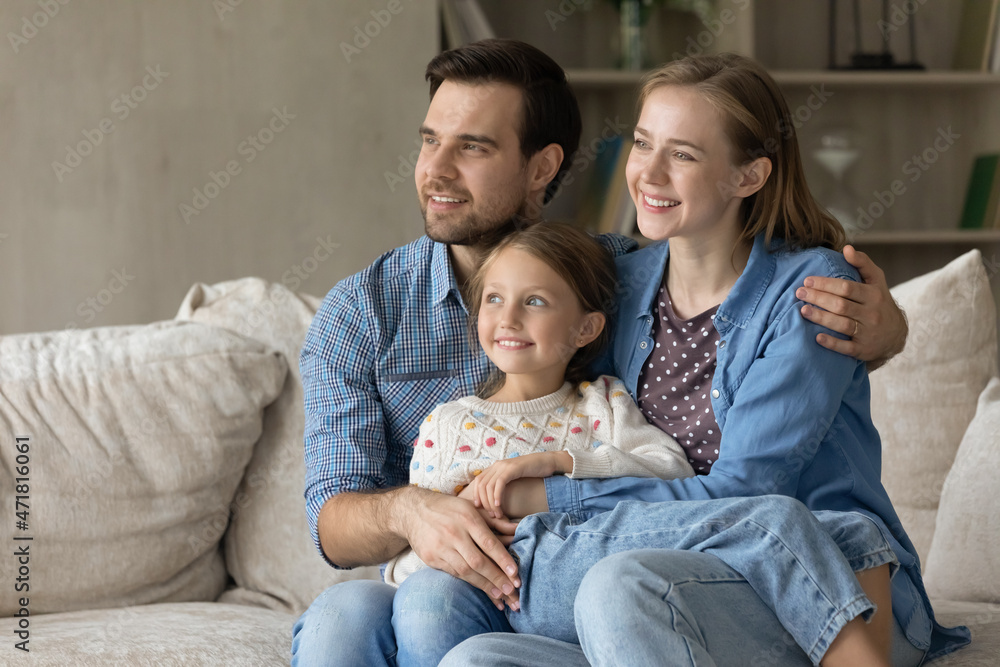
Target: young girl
[(715, 169), (541, 301)]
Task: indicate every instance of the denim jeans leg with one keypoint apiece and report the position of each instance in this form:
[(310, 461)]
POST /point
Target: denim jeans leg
[(512, 650), (433, 612), (682, 608), (774, 542), (349, 624)]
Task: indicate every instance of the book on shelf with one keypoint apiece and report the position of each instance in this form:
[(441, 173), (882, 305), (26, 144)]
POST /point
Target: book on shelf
[(464, 22), (975, 44), (598, 183), (982, 197), (618, 211)]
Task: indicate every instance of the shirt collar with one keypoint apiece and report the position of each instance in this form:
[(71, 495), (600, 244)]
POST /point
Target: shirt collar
[(740, 304), (443, 281)]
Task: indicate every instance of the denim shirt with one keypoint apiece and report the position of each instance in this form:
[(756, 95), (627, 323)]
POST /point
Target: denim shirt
[(795, 417)]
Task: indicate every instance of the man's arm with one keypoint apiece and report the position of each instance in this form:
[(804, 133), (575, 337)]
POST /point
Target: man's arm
[(446, 532), (355, 519), (865, 312)]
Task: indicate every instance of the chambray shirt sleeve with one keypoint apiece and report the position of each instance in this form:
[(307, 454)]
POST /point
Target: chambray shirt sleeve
[(763, 448), (345, 439)]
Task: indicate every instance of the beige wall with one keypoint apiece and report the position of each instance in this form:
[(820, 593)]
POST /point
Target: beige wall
[(110, 229)]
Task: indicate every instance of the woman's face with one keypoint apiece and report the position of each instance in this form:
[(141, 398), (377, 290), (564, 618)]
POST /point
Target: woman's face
[(680, 172)]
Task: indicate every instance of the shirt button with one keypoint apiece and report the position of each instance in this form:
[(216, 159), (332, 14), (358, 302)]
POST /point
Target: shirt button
[(722, 344), (642, 345), (715, 393)]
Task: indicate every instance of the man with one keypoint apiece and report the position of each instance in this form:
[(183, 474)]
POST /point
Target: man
[(390, 343)]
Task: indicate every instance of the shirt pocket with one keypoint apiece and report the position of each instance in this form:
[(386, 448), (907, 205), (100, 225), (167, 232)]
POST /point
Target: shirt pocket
[(408, 397)]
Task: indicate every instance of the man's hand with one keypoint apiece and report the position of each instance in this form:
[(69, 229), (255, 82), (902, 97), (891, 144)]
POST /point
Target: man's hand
[(451, 535), (864, 311), (489, 485)]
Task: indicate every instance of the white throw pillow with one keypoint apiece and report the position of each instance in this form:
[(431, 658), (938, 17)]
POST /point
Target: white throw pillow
[(964, 560), (136, 437), (269, 551), (924, 399)]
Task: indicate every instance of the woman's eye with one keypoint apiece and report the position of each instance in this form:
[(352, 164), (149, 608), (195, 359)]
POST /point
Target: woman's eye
[(682, 156), (639, 143)]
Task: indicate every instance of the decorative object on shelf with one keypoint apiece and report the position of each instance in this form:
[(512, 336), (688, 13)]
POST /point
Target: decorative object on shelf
[(871, 60), (633, 15), (463, 21), (982, 198), (836, 150)]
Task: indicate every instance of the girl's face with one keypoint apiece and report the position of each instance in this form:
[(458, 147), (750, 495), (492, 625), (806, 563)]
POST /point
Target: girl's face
[(680, 172), (531, 322)]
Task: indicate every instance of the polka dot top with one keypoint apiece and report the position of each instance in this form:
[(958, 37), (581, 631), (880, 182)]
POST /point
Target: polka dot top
[(675, 382)]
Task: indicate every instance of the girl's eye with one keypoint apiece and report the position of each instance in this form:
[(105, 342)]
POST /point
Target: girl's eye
[(493, 298), (535, 301)]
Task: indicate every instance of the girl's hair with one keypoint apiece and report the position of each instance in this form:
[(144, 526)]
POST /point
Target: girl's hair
[(579, 260), (758, 124)]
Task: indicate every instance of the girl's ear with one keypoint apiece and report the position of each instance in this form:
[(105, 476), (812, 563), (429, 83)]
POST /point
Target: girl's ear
[(591, 327), (754, 176)]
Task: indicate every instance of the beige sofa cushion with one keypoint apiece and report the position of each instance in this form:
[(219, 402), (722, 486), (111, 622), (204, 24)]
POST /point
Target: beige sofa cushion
[(964, 560), (175, 634), (138, 437), (269, 551), (923, 400)]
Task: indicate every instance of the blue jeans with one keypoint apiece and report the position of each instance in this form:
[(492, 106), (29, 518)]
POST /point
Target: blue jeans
[(799, 563), (775, 542), (364, 622), (660, 607)]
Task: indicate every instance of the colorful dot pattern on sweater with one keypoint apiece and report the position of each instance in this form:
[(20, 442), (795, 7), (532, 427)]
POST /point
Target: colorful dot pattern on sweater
[(458, 442)]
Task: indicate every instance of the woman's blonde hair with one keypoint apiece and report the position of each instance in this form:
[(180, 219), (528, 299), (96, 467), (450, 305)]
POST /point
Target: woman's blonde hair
[(579, 260), (759, 124)]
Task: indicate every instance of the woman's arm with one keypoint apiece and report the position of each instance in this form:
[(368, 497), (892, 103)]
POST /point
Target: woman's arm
[(782, 411), (865, 312)]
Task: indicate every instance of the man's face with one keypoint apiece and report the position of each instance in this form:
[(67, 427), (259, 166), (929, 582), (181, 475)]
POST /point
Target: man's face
[(471, 177)]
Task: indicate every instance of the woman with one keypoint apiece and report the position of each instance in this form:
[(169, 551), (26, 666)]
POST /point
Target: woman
[(708, 340)]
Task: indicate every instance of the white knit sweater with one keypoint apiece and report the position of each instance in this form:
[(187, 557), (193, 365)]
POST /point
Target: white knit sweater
[(597, 423)]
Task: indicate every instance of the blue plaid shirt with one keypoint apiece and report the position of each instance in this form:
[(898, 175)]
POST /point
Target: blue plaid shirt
[(387, 346)]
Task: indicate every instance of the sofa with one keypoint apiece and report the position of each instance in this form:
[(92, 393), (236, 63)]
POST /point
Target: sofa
[(159, 472)]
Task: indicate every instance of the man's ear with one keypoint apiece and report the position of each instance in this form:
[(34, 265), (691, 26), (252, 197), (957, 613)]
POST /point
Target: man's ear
[(543, 167), (591, 327), (753, 176)]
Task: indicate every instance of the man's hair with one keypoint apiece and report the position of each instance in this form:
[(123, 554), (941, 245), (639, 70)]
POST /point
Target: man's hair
[(550, 112)]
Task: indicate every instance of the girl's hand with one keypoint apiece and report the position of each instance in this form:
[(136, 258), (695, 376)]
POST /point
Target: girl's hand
[(488, 487)]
